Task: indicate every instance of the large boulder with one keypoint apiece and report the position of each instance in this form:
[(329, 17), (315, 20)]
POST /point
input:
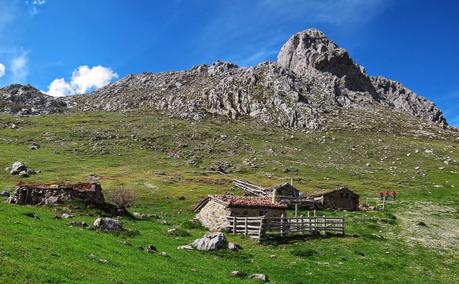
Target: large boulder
[(211, 241), (108, 225), (17, 167)]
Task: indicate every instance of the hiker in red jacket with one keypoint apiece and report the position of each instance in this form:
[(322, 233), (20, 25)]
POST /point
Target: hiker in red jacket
[(394, 195), (381, 195), (387, 194)]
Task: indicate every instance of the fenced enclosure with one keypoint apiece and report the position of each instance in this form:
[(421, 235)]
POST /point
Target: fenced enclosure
[(261, 227), (379, 203)]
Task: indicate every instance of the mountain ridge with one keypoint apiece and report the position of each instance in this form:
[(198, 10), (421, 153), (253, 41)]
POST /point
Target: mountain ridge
[(311, 77)]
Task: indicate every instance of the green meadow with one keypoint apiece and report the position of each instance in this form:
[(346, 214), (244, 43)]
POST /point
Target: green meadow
[(171, 164)]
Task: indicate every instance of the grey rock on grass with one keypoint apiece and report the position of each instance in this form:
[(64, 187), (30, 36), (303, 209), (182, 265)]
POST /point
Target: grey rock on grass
[(211, 241), (108, 225)]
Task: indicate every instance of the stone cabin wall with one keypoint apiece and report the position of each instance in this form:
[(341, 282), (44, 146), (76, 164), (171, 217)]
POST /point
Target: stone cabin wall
[(255, 212), (341, 199), (213, 214)]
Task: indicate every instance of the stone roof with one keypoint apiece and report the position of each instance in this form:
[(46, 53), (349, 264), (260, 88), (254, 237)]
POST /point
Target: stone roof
[(241, 201), (80, 187)]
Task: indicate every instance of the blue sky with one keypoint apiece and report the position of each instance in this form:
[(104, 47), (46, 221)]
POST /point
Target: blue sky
[(74, 46)]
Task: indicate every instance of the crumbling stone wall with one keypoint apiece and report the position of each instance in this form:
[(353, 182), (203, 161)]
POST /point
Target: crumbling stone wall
[(40, 194)]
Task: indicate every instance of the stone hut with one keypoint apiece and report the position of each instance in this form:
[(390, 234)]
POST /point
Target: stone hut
[(285, 193), (340, 198), (213, 211), (39, 194)]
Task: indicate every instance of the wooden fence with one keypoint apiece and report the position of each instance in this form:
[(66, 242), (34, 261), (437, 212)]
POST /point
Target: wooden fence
[(261, 227)]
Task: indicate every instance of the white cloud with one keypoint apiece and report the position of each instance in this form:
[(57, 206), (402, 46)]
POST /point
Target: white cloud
[(60, 88), (84, 79), (34, 6), (19, 67), (2, 70)]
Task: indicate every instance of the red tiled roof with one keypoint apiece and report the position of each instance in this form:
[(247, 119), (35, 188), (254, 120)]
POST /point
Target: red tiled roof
[(244, 201)]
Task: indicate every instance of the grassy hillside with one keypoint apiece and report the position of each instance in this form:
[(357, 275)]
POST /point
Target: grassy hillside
[(171, 164)]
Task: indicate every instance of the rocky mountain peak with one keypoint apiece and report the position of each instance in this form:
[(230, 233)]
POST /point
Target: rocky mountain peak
[(312, 78), (309, 51)]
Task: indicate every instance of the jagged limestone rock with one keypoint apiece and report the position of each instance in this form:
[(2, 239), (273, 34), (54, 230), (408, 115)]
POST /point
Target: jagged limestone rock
[(311, 78)]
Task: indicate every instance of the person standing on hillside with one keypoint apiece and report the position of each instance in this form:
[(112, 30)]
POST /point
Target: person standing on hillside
[(381, 195), (387, 194), (394, 195)]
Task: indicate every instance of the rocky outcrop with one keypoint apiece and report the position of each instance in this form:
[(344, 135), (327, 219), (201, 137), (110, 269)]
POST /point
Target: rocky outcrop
[(27, 100), (403, 99), (311, 77)]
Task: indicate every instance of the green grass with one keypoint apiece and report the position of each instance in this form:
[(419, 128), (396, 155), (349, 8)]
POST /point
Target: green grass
[(169, 164)]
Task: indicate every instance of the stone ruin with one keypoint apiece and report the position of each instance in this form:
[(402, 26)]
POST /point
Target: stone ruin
[(46, 194)]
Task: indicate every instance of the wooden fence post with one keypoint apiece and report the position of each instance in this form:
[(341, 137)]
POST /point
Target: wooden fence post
[(260, 230), (282, 225), (245, 226), (234, 225)]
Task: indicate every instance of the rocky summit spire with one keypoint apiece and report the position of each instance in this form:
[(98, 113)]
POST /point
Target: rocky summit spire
[(311, 50)]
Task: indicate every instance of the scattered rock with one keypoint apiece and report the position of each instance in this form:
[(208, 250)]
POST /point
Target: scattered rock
[(17, 167), (237, 274), (79, 224), (102, 260), (151, 249), (34, 146), (23, 174), (4, 194), (185, 247), (67, 216), (14, 126), (163, 253), (108, 225), (211, 241), (139, 215), (259, 277), (234, 247)]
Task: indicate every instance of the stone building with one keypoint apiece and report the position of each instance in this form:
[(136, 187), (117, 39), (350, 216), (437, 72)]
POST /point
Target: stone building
[(213, 211), (340, 198), (39, 194)]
